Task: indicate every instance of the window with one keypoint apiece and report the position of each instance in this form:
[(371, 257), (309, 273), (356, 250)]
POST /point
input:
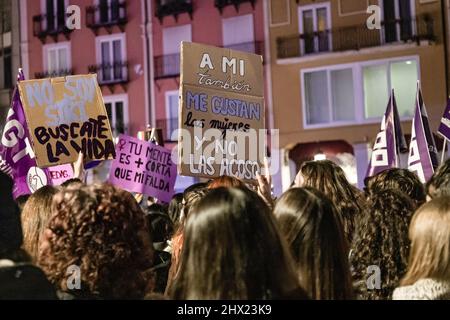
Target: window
[(172, 110), (6, 61), (111, 56), (238, 33), (5, 16), (109, 11), (358, 93), (117, 109), (398, 20), (172, 38), (314, 25), (57, 59), (55, 12), (378, 81)]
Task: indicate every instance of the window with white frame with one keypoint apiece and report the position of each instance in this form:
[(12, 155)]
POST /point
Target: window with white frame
[(172, 111), (55, 14), (117, 109), (238, 33), (358, 93), (314, 26), (57, 61), (109, 10), (172, 38), (111, 56)]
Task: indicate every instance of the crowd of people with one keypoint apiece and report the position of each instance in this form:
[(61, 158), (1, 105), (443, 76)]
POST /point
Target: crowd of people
[(323, 239)]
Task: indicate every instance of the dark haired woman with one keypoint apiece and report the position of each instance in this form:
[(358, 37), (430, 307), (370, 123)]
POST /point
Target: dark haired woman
[(233, 250), (100, 231), (314, 233), (381, 246), (398, 179), (330, 179)]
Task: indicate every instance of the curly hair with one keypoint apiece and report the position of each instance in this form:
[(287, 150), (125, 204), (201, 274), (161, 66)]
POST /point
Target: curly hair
[(102, 230), (399, 179), (381, 240), (329, 178)]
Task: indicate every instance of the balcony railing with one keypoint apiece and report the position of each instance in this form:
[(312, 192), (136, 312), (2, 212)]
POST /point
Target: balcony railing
[(173, 8), (221, 4), (168, 126), (168, 66), (53, 74), (111, 73), (107, 15), (44, 25), (357, 37)]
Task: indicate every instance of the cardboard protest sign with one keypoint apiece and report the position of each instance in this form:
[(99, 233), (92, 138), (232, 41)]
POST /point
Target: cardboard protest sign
[(66, 115), (143, 167), (222, 113), (60, 174)]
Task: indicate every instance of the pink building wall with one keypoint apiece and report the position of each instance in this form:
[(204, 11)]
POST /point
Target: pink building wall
[(206, 27), (83, 54)]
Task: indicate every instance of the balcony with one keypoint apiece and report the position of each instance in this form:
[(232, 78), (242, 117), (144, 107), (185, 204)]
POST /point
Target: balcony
[(173, 8), (168, 66), (110, 74), (168, 126), (50, 26), (53, 74), (107, 16), (221, 4), (418, 29)]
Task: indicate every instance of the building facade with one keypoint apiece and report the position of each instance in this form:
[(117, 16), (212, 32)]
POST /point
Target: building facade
[(110, 43), (9, 53), (332, 75)]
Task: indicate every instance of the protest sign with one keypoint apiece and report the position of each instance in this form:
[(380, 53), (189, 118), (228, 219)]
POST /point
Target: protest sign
[(66, 115), (60, 174), (143, 167), (222, 113), (17, 158)]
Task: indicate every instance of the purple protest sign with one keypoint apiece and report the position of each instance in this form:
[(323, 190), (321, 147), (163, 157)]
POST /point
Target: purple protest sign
[(143, 167), (444, 128), (388, 141), (16, 154), (422, 158)]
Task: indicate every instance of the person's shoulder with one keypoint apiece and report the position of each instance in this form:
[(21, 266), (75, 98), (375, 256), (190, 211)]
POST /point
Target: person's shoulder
[(25, 282)]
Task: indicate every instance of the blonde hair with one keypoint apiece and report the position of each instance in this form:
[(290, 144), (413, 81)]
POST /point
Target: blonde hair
[(430, 242)]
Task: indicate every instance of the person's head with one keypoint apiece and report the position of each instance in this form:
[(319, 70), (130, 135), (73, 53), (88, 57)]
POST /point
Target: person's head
[(74, 182), (174, 209), (330, 179), (10, 228), (381, 241), (158, 222), (439, 182), (35, 216), (313, 230), (399, 179), (226, 182), (21, 200), (429, 233), (102, 231), (233, 250), (191, 196)]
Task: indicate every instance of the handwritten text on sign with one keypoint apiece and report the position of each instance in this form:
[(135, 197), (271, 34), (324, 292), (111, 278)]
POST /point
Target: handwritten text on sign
[(66, 116), (143, 167), (222, 107)]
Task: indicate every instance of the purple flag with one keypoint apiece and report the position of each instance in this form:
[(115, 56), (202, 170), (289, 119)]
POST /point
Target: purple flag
[(16, 154), (423, 159), (444, 128), (388, 142), (143, 167)]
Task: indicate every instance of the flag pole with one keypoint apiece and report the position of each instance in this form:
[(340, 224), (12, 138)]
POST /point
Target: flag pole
[(443, 151)]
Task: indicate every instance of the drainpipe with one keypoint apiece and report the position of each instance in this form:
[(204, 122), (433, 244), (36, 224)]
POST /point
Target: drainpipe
[(148, 63)]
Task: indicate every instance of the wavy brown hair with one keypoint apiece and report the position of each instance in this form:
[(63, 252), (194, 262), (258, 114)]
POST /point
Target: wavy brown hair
[(102, 230), (398, 179), (35, 216), (430, 243), (313, 230), (330, 179), (381, 240), (226, 182), (439, 183)]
